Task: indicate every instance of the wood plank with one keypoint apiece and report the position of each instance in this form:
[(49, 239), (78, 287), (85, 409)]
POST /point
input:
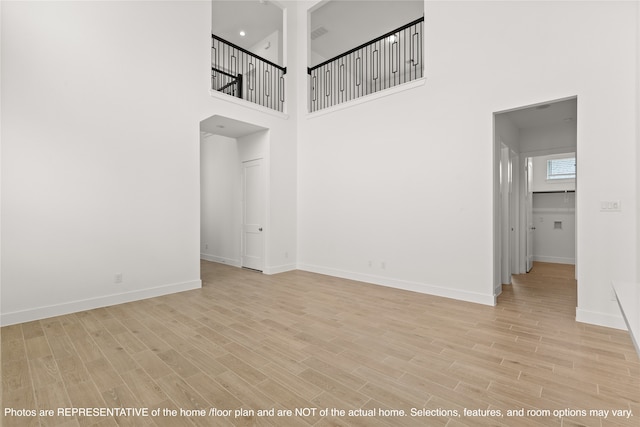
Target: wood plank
[(144, 387), (44, 370), (299, 340)]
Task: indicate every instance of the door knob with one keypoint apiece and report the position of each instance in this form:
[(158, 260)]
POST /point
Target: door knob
[(260, 229)]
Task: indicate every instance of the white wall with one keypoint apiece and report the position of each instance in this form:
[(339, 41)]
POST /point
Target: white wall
[(269, 48), (638, 136), (637, 154), (540, 183), (411, 175), (100, 153), (220, 200), (552, 244)]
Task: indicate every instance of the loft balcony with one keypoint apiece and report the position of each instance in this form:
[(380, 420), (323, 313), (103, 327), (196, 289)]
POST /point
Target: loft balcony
[(389, 60), (239, 73)]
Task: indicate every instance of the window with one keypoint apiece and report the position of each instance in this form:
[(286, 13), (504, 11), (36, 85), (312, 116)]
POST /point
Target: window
[(561, 168)]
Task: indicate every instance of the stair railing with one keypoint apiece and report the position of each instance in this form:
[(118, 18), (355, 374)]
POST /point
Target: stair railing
[(389, 60), (237, 72)]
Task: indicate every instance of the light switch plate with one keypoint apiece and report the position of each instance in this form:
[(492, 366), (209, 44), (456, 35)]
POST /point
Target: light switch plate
[(610, 206)]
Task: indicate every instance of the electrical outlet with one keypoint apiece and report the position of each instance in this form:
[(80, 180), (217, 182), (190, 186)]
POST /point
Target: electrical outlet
[(118, 278)]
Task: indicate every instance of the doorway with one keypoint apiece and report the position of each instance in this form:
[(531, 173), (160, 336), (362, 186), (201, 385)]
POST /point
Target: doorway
[(234, 199), (520, 135)]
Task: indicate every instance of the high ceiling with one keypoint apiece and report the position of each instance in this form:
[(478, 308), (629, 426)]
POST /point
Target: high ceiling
[(348, 23), (256, 18)]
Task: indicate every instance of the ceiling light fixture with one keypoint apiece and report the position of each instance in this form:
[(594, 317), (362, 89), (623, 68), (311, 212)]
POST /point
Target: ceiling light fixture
[(242, 33)]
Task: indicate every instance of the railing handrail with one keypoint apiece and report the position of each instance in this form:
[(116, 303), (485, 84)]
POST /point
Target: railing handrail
[(384, 36), (283, 69), (223, 72)]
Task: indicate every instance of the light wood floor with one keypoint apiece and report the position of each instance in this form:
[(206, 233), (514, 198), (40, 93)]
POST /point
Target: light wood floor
[(302, 340)]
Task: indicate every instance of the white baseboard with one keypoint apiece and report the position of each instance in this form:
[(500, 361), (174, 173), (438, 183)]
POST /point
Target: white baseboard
[(600, 319), (221, 260), (236, 263), (279, 269), (422, 288), (554, 260), (91, 303)]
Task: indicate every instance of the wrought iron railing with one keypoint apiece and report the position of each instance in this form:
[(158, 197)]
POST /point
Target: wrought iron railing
[(387, 61), (237, 72)]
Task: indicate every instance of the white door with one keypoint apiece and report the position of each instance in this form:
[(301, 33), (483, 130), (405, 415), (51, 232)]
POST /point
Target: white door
[(252, 215), (528, 206)]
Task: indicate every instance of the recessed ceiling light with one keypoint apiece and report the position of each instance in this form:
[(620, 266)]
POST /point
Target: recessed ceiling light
[(543, 107), (220, 126), (242, 34)]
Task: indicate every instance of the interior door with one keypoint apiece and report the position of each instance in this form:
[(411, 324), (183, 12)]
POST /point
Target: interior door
[(252, 215), (528, 205)]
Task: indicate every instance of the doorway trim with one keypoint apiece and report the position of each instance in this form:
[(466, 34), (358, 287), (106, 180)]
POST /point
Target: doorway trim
[(242, 142)]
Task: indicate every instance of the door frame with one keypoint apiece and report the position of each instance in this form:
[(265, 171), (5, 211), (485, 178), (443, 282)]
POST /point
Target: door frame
[(250, 142), (520, 188), (523, 202)]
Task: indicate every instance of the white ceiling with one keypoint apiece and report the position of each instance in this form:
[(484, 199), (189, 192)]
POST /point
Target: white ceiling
[(546, 114), (219, 125), (352, 23), (257, 18), (349, 22)]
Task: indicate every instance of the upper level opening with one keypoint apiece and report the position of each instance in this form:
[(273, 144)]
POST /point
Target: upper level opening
[(357, 48), (338, 26), (247, 51), (255, 25)]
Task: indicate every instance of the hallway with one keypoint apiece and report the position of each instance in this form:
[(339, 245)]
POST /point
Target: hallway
[(548, 289)]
